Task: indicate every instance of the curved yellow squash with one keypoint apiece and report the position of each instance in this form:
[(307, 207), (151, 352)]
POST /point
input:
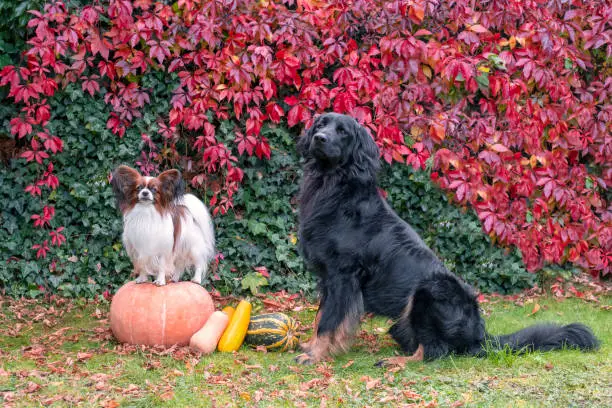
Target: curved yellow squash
[(234, 334), (229, 311)]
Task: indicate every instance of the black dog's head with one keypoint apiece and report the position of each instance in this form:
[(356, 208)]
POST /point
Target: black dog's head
[(338, 142)]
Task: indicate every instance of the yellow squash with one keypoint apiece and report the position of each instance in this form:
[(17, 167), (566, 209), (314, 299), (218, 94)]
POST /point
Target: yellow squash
[(229, 311), (234, 334)]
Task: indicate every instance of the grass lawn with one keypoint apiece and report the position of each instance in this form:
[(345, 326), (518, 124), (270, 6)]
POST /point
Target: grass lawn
[(62, 353)]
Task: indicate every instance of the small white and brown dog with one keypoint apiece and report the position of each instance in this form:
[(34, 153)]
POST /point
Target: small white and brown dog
[(165, 231)]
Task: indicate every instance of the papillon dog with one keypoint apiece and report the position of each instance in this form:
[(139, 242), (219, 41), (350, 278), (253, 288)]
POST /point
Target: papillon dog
[(165, 231)]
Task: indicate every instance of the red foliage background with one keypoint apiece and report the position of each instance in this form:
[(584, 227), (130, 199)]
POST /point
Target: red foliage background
[(511, 97)]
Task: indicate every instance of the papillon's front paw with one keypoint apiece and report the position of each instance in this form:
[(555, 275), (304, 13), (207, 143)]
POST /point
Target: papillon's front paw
[(196, 280), (141, 279), (160, 282)]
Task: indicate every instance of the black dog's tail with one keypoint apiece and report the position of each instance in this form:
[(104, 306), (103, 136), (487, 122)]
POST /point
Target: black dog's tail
[(545, 337)]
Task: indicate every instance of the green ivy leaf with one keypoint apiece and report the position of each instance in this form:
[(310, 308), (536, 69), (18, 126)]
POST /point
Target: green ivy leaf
[(253, 281)]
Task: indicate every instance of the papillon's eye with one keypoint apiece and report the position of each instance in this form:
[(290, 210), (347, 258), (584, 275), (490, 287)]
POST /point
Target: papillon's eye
[(140, 187), (153, 189)]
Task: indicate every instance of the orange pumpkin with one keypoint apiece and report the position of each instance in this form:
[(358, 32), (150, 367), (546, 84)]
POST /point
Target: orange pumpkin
[(159, 315)]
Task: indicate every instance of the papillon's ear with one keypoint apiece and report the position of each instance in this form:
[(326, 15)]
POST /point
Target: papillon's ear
[(124, 181), (365, 154), (172, 184)]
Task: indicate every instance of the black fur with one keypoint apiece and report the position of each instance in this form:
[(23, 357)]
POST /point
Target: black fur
[(368, 259)]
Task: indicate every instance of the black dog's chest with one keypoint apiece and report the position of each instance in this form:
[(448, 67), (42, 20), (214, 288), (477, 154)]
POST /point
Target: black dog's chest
[(338, 232)]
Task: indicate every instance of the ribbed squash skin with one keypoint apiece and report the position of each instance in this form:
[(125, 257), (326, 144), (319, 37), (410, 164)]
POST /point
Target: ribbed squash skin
[(275, 331)]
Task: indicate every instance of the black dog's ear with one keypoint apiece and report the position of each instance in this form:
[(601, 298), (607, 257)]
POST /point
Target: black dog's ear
[(172, 183), (365, 155), (303, 144)]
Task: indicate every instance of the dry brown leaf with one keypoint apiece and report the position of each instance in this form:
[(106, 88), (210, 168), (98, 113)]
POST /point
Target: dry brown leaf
[(253, 367), (110, 404), (536, 309), (167, 396), (101, 386), (32, 387), (83, 356), (348, 364), (373, 383)]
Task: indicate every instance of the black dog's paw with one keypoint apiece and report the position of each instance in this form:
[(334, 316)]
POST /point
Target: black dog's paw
[(304, 359), (400, 361)]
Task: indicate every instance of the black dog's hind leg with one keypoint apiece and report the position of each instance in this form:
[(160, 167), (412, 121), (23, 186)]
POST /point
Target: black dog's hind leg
[(403, 333), (339, 315), (444, 318)]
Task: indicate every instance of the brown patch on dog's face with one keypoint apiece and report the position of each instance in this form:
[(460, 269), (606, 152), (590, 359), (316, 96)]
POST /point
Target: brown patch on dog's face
[(124, 182)]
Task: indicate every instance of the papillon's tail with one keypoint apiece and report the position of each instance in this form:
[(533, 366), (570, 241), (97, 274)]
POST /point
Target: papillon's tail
[(201, 217)]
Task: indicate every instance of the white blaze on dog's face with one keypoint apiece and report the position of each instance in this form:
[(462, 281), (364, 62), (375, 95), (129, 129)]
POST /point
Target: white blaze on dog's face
[(146, 192)]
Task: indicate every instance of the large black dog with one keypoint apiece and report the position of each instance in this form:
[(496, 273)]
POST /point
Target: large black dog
[(367, 259)]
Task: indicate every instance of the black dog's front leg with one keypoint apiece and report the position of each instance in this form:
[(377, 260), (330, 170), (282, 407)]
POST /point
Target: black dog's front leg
[(339, 313)]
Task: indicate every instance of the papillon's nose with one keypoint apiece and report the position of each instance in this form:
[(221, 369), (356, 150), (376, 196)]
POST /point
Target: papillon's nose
[(145, 195), (320, 138)]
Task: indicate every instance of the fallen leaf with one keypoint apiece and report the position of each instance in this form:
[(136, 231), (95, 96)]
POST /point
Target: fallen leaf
[(388, 398), (83, 356), (131, 388), (32, 387), (253, 367), (374, 383), (380, 330), (411, 395), (347, 365), (101, 386), (167, 396), (110, 404), (548, 366), (536, 309)]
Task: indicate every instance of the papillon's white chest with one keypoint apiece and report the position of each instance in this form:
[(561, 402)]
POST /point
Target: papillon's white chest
[(147, 232)]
